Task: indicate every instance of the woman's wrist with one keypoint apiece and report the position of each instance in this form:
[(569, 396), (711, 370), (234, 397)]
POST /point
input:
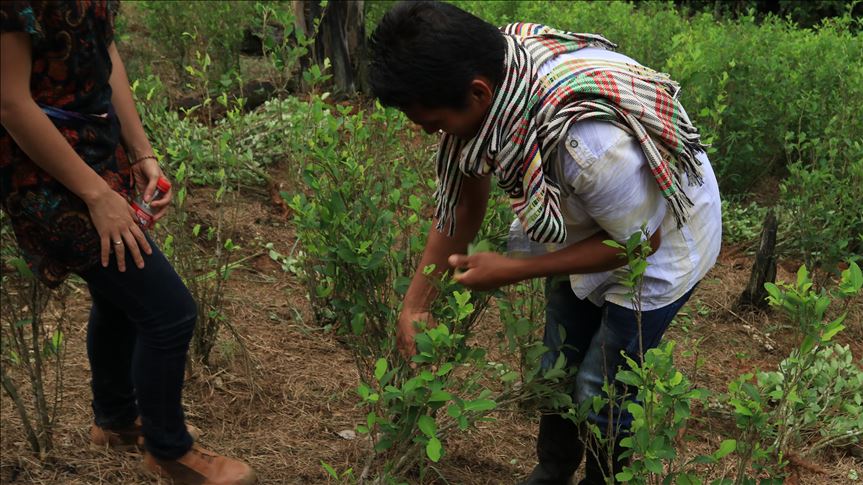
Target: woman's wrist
[(94, 190), (139, 153), (135, 161)]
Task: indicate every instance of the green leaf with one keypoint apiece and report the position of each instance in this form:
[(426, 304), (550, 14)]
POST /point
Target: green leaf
[(629, 378), (681, 410), (509, 376), (329, 469), (433, 449), (554, 374), (480, 405), (461, 297), (613, 244), (444, 369), (482, 246), (56, 340), (384, 444), (703, 460), (653, 465), (833, 328), (773, 291), (427, 425), (624, 476), (440, 396), (687, 479), (740, 408), (380, 368), (725, 448), (852, 279), (22, 267), (802, 276), (453, 411)]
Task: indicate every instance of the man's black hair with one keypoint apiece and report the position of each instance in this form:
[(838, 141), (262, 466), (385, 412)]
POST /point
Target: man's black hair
[(426, 53)]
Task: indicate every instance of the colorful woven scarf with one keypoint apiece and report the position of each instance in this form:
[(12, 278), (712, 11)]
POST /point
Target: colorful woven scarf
[(529, 115)]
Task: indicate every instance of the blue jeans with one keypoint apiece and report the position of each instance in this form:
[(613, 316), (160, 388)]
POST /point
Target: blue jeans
[(141, 323), (594, 339)]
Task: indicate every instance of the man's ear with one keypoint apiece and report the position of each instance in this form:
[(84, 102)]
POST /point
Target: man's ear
[(481, 91)]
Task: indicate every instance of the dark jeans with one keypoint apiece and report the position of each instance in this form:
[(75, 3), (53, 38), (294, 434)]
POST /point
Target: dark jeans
[(140, 327), (593, 338)]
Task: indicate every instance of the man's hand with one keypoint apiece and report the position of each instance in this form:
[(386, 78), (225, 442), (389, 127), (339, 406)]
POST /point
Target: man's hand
[(485, 271), (146, 173), (407, 330)]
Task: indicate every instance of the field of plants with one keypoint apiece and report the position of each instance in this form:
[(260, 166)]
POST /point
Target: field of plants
[(301, 210)]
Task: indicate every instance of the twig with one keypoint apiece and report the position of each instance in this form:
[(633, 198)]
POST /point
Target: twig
[(833, 439), (768, 343), (12, 391)]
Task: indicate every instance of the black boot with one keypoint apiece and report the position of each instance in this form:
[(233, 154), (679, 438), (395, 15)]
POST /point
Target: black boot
[(596, 466), (559, 449)]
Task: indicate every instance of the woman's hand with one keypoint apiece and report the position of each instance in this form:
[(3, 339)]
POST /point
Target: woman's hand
[(145, 175), (115, 222)]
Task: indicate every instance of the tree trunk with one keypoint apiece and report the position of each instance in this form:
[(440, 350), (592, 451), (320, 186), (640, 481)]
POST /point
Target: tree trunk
[(340, 36), (764, 268)]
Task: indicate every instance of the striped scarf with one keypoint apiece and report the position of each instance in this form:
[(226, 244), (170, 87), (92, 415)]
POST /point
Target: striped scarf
[(529, 115)]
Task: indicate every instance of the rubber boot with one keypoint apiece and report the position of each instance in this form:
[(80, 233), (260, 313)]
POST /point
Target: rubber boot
[(559, 450)]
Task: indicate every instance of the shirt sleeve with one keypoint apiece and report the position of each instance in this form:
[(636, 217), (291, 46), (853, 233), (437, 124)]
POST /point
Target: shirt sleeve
[(606, 169), (18, 16)]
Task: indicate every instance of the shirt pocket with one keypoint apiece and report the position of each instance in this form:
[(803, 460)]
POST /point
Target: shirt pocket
[(573, 162)]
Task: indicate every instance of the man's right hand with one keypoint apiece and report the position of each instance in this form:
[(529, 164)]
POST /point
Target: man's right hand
[(406, 330)]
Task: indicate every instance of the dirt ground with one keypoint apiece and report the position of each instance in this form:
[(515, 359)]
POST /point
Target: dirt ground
[(286, 424)]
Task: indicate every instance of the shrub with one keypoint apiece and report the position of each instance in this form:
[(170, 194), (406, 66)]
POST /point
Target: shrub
[(773, 410), (217, 28), (32, 344)]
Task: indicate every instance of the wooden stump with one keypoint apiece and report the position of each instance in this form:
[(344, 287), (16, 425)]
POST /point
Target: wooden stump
[(764, 268)]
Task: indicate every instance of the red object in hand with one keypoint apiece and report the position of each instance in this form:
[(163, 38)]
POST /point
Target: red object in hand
[(143, 212)]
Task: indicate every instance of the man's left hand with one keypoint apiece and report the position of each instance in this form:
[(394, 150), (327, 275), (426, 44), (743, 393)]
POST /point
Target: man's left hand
[(485, 271)]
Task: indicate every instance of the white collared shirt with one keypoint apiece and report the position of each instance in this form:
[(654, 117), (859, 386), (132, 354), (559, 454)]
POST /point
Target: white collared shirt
[(606, 184)]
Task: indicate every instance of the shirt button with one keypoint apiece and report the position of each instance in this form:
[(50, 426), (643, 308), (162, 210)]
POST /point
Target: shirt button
[(573, 143)]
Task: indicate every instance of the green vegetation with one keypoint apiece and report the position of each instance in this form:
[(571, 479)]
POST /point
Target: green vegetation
[(779, 104)]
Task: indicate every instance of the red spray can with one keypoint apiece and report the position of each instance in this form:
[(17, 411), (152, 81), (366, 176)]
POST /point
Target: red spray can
[(143, 212)]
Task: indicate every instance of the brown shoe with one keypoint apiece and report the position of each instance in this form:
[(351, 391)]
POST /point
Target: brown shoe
[(128, 438), (201, 467)]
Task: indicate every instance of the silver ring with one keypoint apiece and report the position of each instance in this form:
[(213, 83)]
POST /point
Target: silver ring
[(117, 243)]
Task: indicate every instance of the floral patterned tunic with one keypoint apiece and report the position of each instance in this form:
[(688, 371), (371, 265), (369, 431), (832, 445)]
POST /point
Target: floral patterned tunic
[(69, 80)]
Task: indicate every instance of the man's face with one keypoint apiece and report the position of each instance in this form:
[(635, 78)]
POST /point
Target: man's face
[(463, 123)]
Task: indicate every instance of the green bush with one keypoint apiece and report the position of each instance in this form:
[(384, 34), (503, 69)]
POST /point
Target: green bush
[(361, 214), (827, 409), (215, 27), (822, 191), (780, 78), (812, 400), (741, 223)]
